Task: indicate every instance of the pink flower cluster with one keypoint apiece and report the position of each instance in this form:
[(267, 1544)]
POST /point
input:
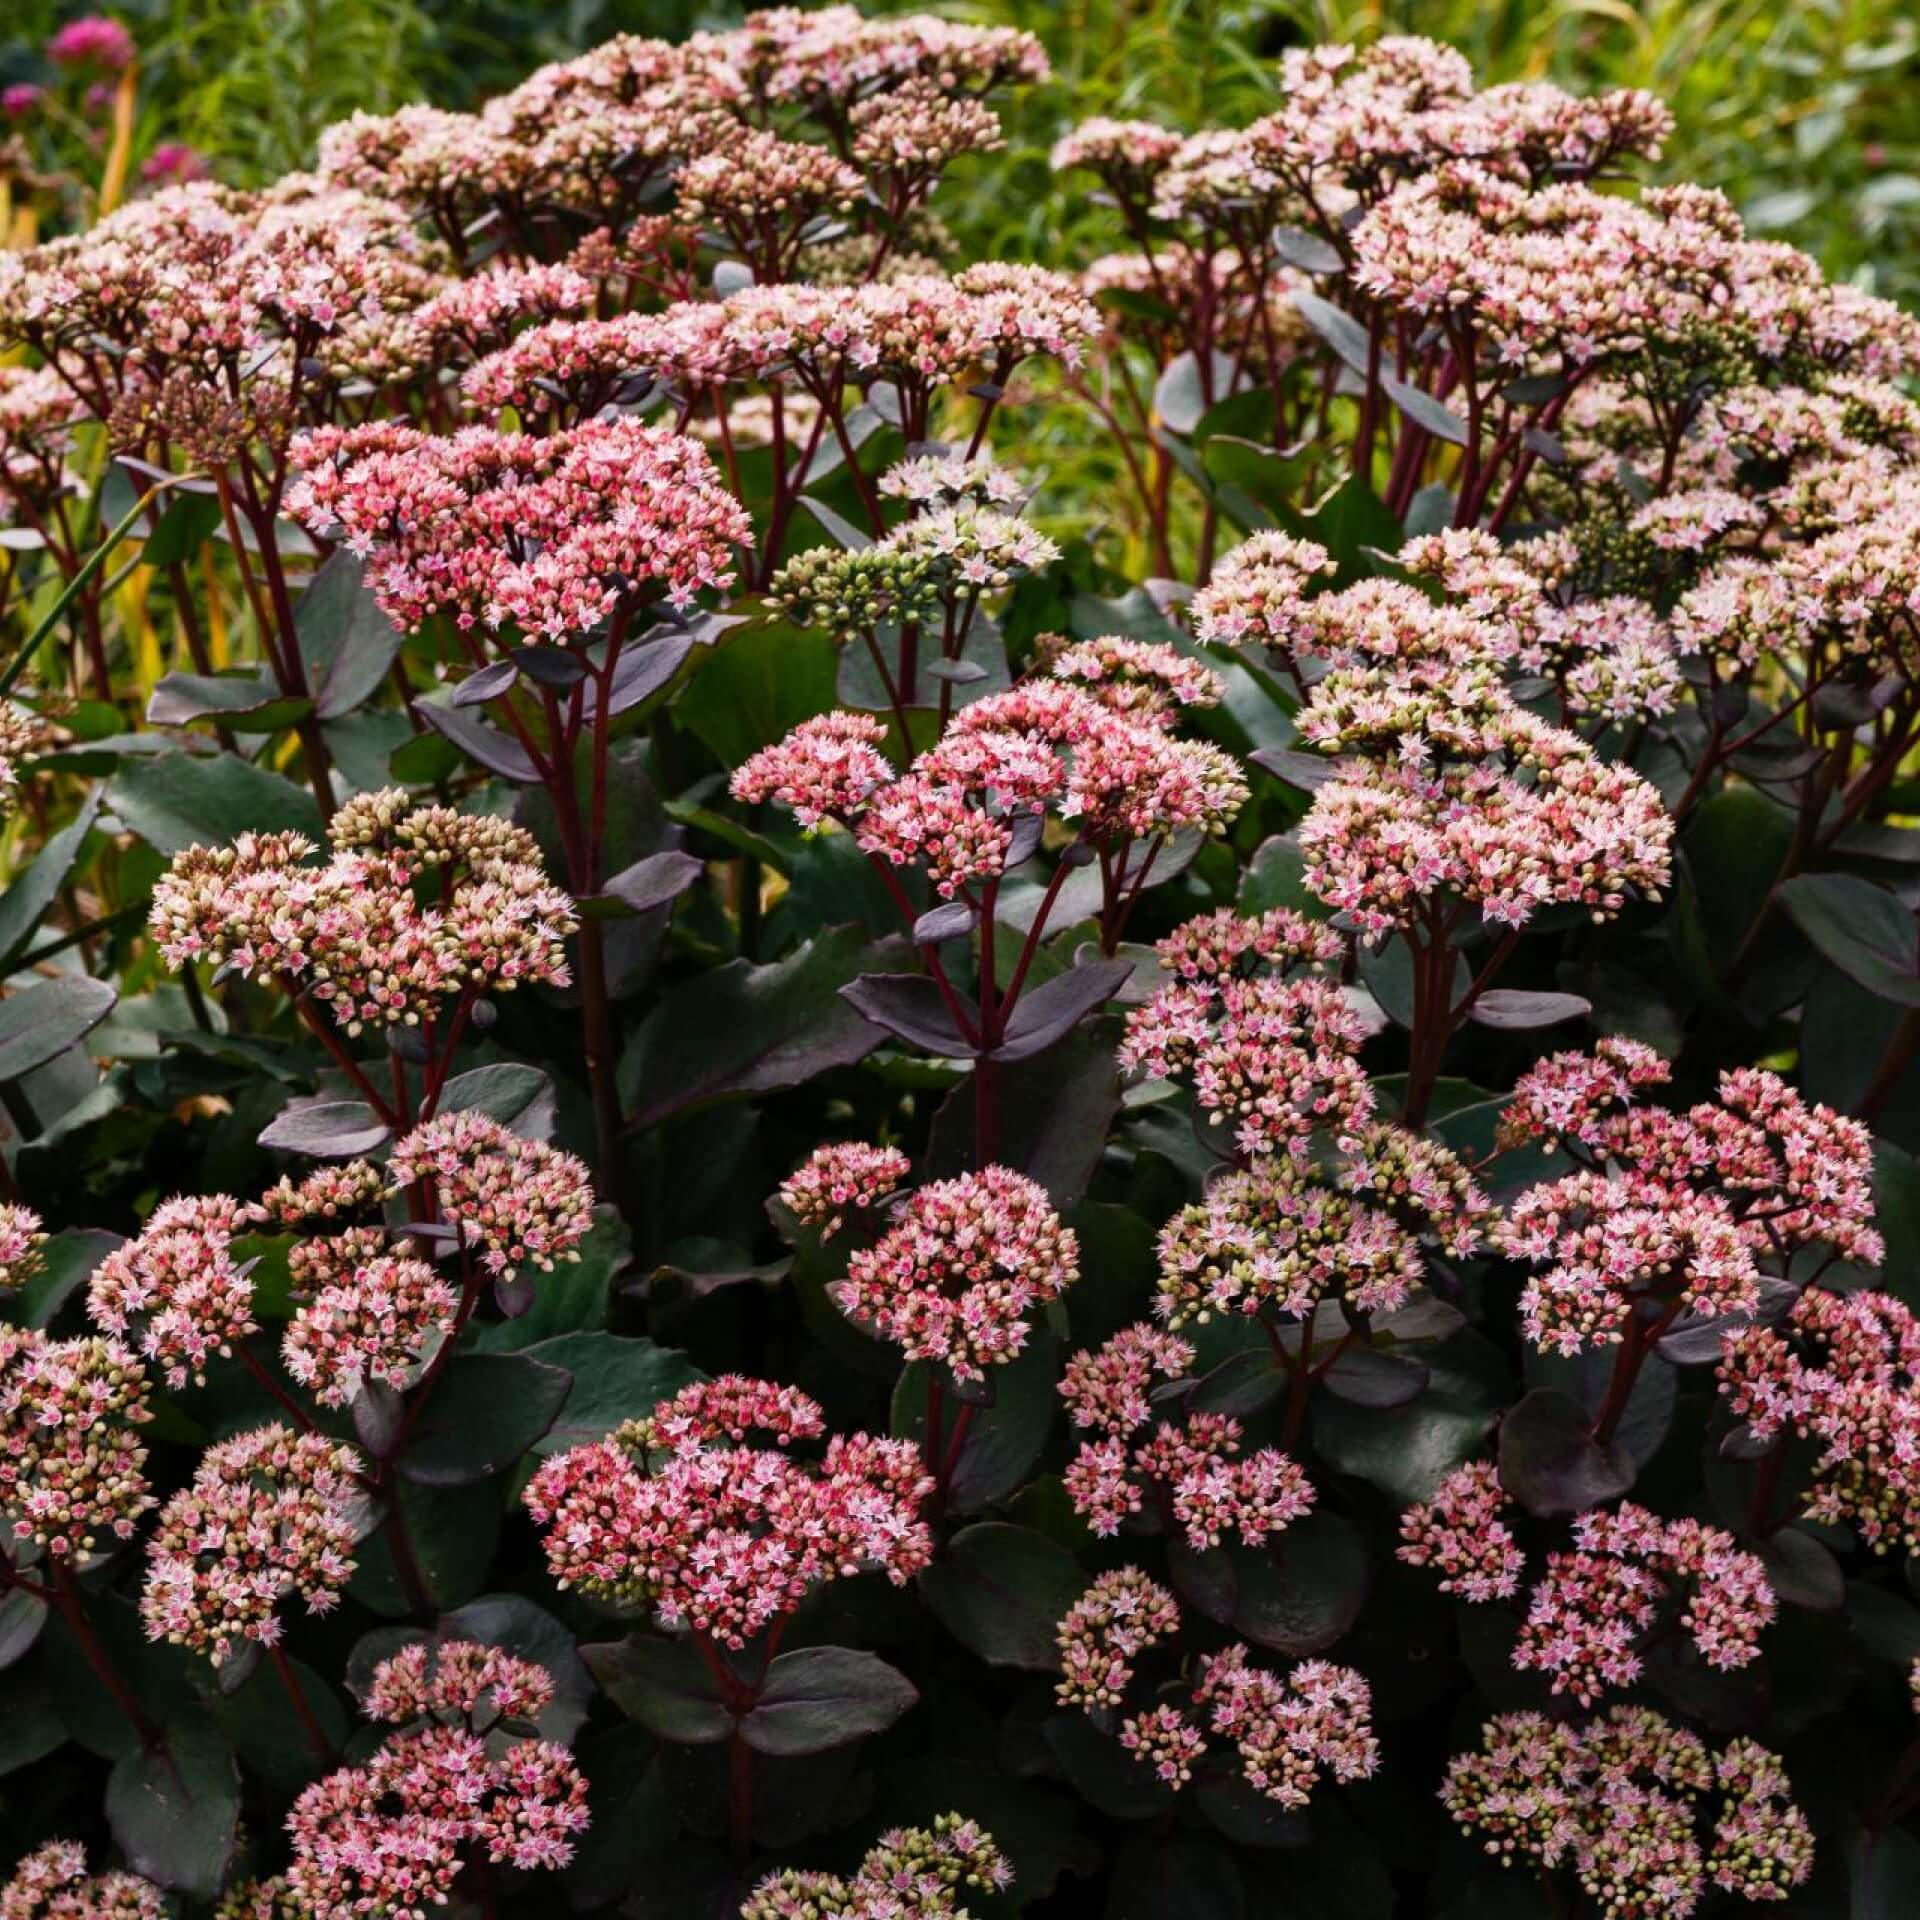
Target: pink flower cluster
[(953, 1279), (1685, 1210), (551, 534), (387, 1839), (21, 1241), (457, 1683), (52, 1883), (178, 1289), (1845, 1370), (1619, 1801), (1192, 1468), (353, 933), (1287, 1732), (268, 1514), (910, 1873), (680, 1511), (522, 1202), (71, 1461), (369, 1320), (1589, 1616), (835, 1181)]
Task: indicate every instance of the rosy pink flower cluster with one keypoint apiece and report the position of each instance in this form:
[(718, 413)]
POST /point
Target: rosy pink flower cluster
[(457, 1682), (680, 1511), (520, 1201), (835, 1181), (268, 1514), (551, 534), (1845, 1370), (1288, 1732), (52, 1883), (369, 1321), (388, 1838), (1622, 1802), (910, 1873), (72, 1465), (1588, 1618), (955, 1277), (1191, 1468)]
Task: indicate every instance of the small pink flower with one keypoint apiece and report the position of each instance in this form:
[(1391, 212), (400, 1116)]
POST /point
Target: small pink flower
[(97, 41)]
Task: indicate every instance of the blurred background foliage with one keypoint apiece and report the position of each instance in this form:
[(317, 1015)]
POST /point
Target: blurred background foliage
[(1802, 110)]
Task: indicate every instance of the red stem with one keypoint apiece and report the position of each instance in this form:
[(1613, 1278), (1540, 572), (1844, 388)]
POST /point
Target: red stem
[(302, 1710)]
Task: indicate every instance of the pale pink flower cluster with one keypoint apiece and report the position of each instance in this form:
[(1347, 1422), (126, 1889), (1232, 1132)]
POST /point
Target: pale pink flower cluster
[(550, 533), (1843, 1369), (1623, 1802), (1142, 679), (1687, 1209), (910, 1873), (1590, 1615), (71, 1462), (370, 1322), (343, 1189), (268, 1514), (352, 933), (177, 1291), (459, 1683), (951, 479), (911, 133), (718, 1532), (1258, 593), (520, 1201), (387, 1839), (835, 1181), (52, 1883), (21, 1244), (1288, 1732), (1192, 1468), (954, 1279)]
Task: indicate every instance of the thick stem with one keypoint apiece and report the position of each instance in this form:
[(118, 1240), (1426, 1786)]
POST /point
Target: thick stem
[(1761, 1524), (596, 1024)]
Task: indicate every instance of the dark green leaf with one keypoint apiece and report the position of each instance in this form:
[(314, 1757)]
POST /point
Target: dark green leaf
[(46, 1019), (614, 1379), (520, 1097), (451, 1532), (1862, 929), (663, 1684), (248, 699), (1001, 1591), (348, 644), (757, 685), (488, 1409), (34, 889), (174, 801)]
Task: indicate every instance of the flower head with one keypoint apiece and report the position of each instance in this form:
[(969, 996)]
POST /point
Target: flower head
[(21, 1241), (178, 1289), (835, 1181), (911, 1873), (52, 1883), (269, 1513)]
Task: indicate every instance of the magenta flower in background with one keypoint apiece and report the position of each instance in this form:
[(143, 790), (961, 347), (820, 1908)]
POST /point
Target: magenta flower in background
[(174, 163), (94, 41), (20, 100)]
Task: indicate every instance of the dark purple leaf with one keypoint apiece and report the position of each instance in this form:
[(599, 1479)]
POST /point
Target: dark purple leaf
[(641, 672), (910, 1007), (652, 882), (1054, 1008), (951, 922), (1001, 1590), (491, 748), (488, 683), (1551, 1463), (1514, 1010), (1373, 1377), (1307, 771), (820, 1698), (325, 1129)]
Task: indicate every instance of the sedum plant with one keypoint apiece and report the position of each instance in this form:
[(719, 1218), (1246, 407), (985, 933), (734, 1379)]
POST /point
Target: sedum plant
[(753, 1168)]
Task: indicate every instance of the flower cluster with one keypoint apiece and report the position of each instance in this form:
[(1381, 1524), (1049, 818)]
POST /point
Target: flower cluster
[(52, 1883), (910, 1873), (389, 1837), (835, 1181), (71, 1461), (954, 1278), (1588, 1617), (370, 1319), (522, 1202), (1287, 1732), (1684, 1210), (1199, 1478), (679, 1511), (21, 1244), (1845, 1370), (352, 932), (456, 1682), (551, 533), (177, 1289), (269, 1513), (1622, 1800)]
